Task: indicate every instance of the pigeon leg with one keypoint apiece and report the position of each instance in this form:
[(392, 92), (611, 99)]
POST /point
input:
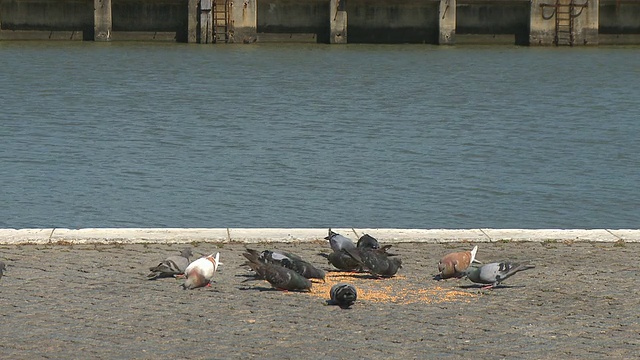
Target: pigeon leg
[(179, 276), (488, 287)]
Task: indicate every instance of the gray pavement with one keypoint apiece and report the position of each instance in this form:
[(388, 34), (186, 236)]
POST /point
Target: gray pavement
[(66, 300)]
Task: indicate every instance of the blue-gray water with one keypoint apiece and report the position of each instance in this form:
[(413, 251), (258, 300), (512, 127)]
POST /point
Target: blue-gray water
[(175, 135)]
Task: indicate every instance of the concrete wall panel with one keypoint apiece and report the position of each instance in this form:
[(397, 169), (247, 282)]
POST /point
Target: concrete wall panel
[(49, 15), (401, 21)]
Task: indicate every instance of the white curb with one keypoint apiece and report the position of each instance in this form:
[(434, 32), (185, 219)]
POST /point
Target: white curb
[(256, 235)]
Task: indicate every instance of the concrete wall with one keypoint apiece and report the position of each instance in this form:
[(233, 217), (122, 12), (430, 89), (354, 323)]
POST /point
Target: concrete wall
[(294, 17), (150, 15), (244, 16), (619, 17), (365, 21), (43, 15), (398, 21), (542, 25), (495, 18)]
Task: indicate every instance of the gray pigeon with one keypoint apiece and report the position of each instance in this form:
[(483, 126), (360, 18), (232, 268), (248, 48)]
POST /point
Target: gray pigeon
[(3, 268), (341, 260), (367, 241), (343, 295), (495, 273), (171, 266), (278, 276), (377, 261), (339, 242), (292, 262)]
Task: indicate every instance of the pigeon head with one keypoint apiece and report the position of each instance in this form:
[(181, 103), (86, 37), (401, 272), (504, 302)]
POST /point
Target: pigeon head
[(194, 280), (367, 241), (331, 235), (186, 253)]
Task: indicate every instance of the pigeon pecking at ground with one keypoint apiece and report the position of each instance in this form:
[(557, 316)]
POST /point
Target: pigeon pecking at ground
[(454, 264), (291, 261), (376, 261), (495, 273), (341, 260), (278, 276), (367, 241), (343, 295), (200, 272), (339, 242), (171, 266)]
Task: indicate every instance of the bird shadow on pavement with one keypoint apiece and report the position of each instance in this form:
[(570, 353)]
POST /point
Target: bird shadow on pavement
[(258, 288), (478, 286), (355, 275), (263, 288)]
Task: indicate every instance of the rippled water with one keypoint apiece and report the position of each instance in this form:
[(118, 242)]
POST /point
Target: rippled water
[(407, 136)]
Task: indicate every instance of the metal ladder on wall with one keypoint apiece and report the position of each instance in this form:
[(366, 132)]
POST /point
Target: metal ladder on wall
[(564, 23), (221, 21)]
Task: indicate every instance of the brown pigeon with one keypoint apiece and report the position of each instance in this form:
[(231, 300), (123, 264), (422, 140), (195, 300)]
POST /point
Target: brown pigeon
[(454, 264)]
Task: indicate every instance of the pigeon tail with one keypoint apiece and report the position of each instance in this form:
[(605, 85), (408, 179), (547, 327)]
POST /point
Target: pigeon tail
[(215, 260), (473, 254)]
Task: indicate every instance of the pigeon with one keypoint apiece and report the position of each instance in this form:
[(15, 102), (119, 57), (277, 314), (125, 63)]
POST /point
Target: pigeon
[(343, 295), (376, 261), (495, 273), (200, 272), (171, 266), (290, 261), (367, 241), (454, 264), (339, 242), (278, 276), (341, 260), (296, 264), (3, 268)]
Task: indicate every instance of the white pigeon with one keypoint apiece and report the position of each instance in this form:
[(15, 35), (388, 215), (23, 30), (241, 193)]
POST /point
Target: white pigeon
[(200, 272)]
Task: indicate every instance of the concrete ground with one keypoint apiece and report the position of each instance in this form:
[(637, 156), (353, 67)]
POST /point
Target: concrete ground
[(92, 301)]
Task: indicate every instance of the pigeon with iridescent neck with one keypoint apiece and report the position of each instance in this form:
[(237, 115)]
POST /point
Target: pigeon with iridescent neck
[(293, 262), (367, 241), (340, 258), (339, 242), (376, 261), (278, 276), (343, 295), (495, 273)]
